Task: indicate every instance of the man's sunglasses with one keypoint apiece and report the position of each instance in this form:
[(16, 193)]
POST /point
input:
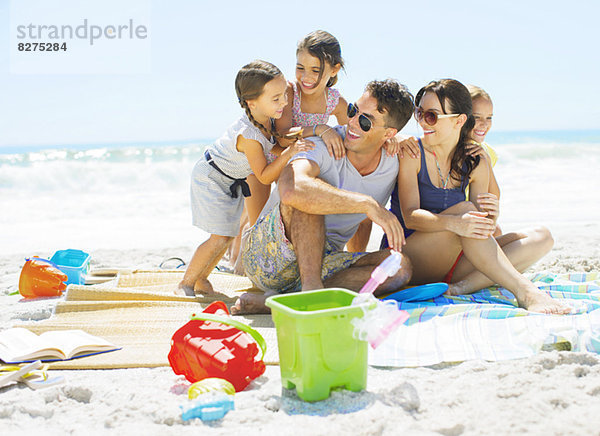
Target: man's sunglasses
[(364, 122), (430, 117)]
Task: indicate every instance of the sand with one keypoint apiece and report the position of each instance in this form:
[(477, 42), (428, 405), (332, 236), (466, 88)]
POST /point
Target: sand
[(550, 393)]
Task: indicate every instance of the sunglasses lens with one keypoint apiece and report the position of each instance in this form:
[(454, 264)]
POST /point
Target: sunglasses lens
[(351, 110), (430, 117), (364, 123)]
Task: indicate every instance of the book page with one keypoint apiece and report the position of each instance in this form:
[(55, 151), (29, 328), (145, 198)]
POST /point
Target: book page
[(21, 344), (73, 342)]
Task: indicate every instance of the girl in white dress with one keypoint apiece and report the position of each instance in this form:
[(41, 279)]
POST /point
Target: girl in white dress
[(219, 182)]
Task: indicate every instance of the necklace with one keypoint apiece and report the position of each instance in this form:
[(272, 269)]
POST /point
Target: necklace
[(437, 164)]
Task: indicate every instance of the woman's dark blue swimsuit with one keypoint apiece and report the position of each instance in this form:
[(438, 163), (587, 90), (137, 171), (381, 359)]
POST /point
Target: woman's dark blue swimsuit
[(432, 198)]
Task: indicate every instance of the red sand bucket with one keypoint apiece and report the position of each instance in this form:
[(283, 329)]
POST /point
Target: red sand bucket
[(213, 344), (41, 278)]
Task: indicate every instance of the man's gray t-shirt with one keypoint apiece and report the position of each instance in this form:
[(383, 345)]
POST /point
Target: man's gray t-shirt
[(342, 174)]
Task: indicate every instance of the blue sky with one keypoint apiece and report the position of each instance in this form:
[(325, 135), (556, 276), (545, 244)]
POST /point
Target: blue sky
[(537, 59)]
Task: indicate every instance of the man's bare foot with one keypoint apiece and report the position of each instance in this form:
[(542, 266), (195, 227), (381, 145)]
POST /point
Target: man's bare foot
[(311, 286), (249, 303), (539, 301)]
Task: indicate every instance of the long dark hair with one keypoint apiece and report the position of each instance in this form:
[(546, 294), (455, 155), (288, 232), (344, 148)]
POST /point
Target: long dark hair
[(454, 98), (249, 85), (325, 47)]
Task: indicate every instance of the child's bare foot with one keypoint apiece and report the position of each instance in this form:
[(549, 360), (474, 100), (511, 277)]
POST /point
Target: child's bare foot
[(185, 290), (203, 287), (249, 303), (539, 301)]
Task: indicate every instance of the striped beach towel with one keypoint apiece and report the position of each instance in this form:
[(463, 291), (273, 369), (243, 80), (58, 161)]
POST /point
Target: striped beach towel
[(488, 325)]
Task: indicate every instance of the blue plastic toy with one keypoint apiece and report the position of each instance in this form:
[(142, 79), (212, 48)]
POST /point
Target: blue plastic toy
[(208, 407), (74, 263), (419, 293)]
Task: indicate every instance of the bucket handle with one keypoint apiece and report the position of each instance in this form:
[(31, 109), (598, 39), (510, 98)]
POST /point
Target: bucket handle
[(27, 259), (237, 324)]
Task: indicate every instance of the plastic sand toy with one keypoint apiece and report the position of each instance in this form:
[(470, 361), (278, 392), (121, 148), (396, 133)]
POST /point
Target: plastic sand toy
[(208, 407), (41, 278), (213, 344), (318, 350), (381, 317), (207, 385)]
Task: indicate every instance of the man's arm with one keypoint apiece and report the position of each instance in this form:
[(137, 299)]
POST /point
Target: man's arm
[(300, 188)]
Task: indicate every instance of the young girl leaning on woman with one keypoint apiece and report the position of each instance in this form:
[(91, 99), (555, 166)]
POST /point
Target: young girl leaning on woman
[(219, 182), (483, 110)]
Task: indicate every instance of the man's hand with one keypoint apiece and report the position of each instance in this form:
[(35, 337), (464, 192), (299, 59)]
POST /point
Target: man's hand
[(390, 225)]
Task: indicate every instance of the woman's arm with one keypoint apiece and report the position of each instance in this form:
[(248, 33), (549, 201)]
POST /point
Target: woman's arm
[(470, 224)]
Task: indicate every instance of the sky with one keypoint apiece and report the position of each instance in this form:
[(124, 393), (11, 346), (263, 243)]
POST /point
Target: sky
[(537, 59)]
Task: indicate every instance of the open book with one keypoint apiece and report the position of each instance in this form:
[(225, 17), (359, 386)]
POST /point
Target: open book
[(21, 345)]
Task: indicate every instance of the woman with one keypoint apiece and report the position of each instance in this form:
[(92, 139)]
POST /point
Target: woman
[(447, 237)]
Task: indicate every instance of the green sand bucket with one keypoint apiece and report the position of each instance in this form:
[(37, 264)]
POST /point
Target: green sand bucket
[(317, 350)]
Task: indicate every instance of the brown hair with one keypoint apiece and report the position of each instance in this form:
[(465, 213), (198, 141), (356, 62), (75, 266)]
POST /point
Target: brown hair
[(394, 101), (325, 47), (477, 92), (249, 85), (455, 97)]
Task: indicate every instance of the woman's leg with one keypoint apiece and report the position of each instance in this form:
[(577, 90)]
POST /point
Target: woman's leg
[(522, 248), (432, 255), (203, 261)]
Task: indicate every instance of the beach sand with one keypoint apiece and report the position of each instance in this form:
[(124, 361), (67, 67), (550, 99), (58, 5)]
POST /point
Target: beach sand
[(550, 393)]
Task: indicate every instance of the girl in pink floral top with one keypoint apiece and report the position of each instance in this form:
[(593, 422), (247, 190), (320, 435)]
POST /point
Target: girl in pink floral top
[(311, 101)]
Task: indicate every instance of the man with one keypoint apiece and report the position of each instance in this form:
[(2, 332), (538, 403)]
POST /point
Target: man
[(297, 243)]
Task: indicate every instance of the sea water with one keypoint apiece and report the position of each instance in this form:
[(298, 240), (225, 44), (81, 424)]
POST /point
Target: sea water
[(137, 195)]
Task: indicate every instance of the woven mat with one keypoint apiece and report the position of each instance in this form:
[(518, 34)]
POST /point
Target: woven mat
[(160, 286), (142, 319)]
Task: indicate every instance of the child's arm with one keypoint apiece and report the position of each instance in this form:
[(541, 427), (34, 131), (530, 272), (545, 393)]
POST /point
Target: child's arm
[(283, 125), (267, 174), (399, 143), (479, 193), (341, 111), (360, 240), (488, 199)]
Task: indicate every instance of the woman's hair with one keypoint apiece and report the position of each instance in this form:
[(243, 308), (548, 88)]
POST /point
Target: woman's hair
[(249, 85), (325, 47), (477, 92), (454, 98)]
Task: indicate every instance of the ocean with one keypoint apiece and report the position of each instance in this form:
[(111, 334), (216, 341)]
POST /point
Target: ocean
[(123, 196)]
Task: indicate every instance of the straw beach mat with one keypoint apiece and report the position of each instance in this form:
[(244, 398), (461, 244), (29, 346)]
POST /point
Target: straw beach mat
[(140, 313)]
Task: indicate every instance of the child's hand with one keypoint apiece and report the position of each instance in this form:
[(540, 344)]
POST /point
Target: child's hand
[(395, 146), (334, 143), (301, 145), (489, 203), (290, 137), (475, 149)]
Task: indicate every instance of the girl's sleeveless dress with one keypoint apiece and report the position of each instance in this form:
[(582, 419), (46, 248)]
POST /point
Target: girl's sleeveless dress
[(214, 209), (304, 119)]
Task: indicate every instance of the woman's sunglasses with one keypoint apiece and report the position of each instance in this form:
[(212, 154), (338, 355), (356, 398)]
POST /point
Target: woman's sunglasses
[(430, 117), (364, 122)]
